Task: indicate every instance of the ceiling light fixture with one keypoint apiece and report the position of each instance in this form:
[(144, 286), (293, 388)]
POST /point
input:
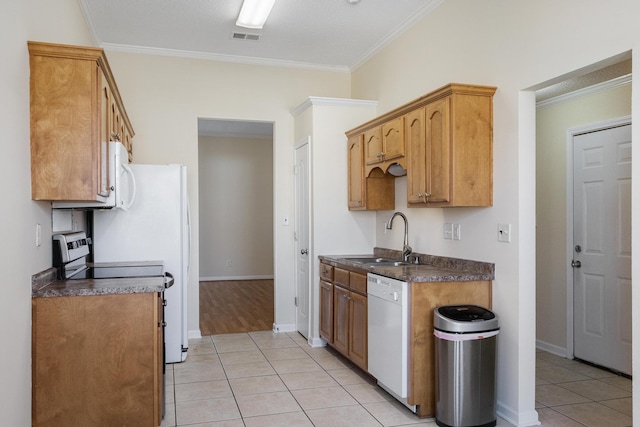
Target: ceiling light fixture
[(254, 13)]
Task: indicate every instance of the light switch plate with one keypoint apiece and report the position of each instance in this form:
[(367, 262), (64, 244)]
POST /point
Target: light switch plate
[(504, 233), (447, 231), (457, 232)]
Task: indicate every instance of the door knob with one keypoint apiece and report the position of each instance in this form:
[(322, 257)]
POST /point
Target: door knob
[(304, 251), (576, 264)]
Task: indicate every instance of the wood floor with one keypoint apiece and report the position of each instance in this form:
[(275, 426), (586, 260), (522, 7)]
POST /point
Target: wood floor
[(236, 306)]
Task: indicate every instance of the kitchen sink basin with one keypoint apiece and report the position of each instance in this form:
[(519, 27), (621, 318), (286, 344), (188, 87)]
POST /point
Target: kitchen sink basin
[(386, 262), (391, 263)]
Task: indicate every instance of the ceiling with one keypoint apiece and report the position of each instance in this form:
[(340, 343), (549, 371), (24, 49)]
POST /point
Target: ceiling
[(337, 35), (325, 34)]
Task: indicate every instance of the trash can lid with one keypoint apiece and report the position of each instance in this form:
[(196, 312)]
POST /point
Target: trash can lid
[(464, 318)]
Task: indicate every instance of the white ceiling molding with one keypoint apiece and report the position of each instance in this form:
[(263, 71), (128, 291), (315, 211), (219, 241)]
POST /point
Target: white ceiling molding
[(600, 87), (331, 102), (220, 57), (430, 7)]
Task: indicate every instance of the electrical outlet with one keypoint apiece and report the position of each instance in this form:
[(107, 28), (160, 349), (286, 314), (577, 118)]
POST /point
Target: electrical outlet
[(447, 231), (504, 233), (228, 263), (457, 232)]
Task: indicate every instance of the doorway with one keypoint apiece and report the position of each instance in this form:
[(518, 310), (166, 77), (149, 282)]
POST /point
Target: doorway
[(235, 179), (577, 101)]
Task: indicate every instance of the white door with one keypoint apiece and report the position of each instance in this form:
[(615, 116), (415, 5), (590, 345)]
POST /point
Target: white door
[(302, 236), (602, 247)]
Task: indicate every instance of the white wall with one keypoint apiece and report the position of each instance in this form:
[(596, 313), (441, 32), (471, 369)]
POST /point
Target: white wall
[(334, 229), (40, 20), (514, 45), (235, 177), (551, 231), (164, 98)]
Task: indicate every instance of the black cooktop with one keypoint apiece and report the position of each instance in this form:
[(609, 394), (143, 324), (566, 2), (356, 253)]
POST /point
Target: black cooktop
[(116, 271)]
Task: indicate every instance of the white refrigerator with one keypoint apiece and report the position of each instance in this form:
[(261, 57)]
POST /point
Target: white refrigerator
[(155, 228)]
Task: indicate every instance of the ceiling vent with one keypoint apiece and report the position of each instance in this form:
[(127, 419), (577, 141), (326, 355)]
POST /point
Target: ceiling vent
[(245, 36)]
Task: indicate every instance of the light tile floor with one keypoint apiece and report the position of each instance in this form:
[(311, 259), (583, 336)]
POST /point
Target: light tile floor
[(574, 394), (265, 379)]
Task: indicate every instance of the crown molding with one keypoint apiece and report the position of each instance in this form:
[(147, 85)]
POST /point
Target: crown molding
[(591, 90), (220, 58), (332, 102), (429, 7)]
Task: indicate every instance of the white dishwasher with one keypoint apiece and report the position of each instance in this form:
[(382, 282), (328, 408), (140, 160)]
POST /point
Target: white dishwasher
[(388, 334)]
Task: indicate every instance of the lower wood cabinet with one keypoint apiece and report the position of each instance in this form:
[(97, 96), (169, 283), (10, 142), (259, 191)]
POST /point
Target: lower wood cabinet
[(97, 360), (326, 310), (344, 316), (343, 313)]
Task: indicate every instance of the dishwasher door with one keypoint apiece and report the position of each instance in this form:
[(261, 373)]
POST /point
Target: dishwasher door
[(388, 333)]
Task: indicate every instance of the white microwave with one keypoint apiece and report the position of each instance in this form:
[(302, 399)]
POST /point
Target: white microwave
[(121, 179)]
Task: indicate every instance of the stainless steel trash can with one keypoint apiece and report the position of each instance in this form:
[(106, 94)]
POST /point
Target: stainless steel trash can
[(466, 338)]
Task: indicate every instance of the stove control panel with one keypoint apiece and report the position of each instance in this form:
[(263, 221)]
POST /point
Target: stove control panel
[(70, 246)]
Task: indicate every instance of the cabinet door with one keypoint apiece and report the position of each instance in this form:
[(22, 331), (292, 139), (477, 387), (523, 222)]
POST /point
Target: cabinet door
[(438, 149), (94, 360), (356, 173), (341, 319), (326, 311), (105, 134), (416, 150), (158, 348), (393, 139), (358, 329), (373, 146)]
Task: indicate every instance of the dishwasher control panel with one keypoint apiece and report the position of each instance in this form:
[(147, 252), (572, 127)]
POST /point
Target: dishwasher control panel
[(386, 288)]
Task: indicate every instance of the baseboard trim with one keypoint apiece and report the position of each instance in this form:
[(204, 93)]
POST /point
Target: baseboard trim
[(221, 278), (551, 348), (529, 418), (284, 327), (317, 342), (194, 334)]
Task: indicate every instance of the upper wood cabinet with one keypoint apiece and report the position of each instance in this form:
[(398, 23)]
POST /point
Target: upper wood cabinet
[(373, 192), (450, 150), (448, 137), (76, 110), (384, 145)]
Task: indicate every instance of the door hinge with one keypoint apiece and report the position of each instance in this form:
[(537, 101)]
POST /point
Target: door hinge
[(295, 169), (295, 301)]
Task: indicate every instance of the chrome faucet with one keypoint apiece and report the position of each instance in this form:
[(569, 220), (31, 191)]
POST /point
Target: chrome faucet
[(406, 249)]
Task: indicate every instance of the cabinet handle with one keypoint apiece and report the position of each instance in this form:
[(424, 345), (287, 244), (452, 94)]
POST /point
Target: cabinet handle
[(162, 324)]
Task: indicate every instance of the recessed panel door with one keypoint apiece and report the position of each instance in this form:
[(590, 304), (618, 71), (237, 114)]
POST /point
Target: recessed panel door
[(302, 243), (602, 247)]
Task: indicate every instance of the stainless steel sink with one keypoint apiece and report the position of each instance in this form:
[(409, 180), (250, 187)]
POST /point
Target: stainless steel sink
[(392, 263), (386, 262)]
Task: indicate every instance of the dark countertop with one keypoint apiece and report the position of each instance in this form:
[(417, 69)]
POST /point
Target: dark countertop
[(431, 268), (45, 285)]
